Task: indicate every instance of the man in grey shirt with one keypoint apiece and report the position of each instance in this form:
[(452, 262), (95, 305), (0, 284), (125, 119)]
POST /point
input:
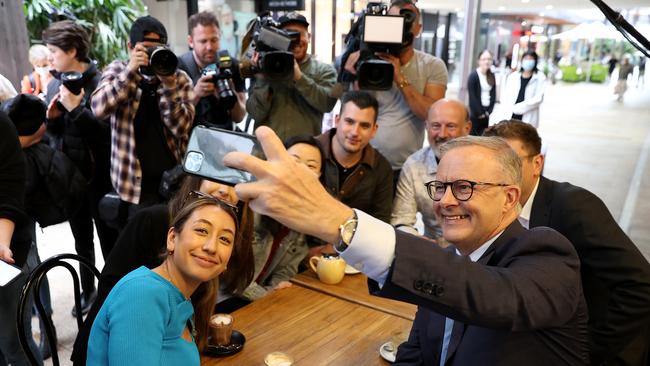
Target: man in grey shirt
[(447, 119), (420, 79)]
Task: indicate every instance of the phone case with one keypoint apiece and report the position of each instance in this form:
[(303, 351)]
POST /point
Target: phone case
[(208, 146)]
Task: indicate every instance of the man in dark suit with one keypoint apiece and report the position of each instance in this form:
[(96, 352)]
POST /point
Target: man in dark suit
[(615, 275), (516, 300)]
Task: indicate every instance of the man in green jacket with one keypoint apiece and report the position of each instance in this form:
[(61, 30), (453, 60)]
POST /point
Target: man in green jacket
[(296, 107)]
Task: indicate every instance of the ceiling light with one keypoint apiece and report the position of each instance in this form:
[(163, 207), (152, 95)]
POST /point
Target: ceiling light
[(549, 7), (502, 8), (525, 1)]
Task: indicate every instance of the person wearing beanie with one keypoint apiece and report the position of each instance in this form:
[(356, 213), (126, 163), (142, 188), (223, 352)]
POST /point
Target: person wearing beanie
[(150, 111)]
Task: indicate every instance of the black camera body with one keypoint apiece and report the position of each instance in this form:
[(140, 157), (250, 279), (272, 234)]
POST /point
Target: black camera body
[(273, 46), (72, 80), (221, 74), (162, 61), (376, 31)]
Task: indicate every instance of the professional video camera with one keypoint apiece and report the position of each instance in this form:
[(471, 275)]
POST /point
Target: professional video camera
[(162, 61), (376, 31), (221, 74), (273, 46)]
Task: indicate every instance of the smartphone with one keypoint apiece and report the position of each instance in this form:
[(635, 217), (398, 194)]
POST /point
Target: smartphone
[(208, 146), (8, 273)]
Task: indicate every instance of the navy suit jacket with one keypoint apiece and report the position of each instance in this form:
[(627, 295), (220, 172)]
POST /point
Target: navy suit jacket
[(615, 275), (520, 304)]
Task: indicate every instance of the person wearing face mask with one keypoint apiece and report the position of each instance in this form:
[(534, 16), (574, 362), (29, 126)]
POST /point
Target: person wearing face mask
[(35, 83), (229, 27), (278, 250), (524, 92), (295, 107), (144, 238)]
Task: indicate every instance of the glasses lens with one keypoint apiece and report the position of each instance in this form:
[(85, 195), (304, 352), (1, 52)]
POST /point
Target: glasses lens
[(438, 190), (462, 189)]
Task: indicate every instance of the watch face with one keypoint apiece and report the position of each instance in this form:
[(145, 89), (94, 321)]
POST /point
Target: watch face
[(348, 230)]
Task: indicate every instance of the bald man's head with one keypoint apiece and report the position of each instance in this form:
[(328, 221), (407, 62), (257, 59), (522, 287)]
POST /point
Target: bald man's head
[(446, 120)]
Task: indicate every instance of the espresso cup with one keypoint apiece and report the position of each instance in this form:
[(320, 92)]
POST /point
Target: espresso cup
[(221, 329), (329, 268)]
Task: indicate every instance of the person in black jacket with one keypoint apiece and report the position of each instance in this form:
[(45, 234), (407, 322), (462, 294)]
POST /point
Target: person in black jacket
[(15, 241), (615, 275), (74, 129), (481, 89)]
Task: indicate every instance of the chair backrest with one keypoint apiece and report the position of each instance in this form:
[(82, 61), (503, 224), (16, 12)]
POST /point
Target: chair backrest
[(33, 285)]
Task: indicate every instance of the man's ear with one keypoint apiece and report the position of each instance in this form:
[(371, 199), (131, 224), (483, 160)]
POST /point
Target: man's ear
[(337, 118), (538, 165), (190, 41), (513, 193)]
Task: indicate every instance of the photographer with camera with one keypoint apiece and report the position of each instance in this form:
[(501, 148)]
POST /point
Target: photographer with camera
[(419, 79), (219, 91), (149, 103), (74, 129), (295, 106)]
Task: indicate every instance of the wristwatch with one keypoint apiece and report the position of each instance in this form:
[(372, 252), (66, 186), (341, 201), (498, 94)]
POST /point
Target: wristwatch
[(347, 229)]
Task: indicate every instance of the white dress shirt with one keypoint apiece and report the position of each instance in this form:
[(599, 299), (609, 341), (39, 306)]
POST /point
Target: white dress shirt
[(524, 215)]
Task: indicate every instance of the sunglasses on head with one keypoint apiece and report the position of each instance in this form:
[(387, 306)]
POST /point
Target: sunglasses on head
[(233, 210)]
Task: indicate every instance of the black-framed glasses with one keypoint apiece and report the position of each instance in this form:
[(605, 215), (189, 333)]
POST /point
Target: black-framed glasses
[(462, 189), (232, 209)]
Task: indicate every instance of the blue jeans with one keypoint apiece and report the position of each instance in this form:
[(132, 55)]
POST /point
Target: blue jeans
[(10, 350)]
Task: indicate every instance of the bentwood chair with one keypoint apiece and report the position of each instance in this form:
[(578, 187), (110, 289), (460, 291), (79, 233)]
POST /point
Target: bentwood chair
[(32, 287)]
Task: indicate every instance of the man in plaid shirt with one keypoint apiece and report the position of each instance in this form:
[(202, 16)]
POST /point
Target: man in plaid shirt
[(151, 116)]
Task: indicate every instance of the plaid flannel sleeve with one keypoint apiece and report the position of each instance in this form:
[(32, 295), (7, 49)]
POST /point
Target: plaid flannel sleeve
[(117, 85), (176, 107)]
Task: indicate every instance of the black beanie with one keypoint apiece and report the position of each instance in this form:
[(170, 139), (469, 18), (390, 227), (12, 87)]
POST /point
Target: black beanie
[(145, 25), (27, 112)]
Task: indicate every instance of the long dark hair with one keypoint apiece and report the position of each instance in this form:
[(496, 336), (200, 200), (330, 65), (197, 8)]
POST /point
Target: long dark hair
[(489, 75), (241, 266), (240, 269)]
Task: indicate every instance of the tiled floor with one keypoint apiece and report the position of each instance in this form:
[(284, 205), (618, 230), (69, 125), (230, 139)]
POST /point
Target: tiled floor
[(592, 141)]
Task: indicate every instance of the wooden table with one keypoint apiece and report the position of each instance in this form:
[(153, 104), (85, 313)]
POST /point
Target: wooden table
[(312, 327), (354, 288)]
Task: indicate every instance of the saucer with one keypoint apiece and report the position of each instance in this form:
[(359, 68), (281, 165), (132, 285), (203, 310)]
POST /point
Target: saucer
[(386, 354), (351, 270), (237, 341)]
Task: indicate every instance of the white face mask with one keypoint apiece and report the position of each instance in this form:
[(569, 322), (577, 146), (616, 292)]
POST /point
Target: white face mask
[(528, 65), (42, 71), (228, 30)]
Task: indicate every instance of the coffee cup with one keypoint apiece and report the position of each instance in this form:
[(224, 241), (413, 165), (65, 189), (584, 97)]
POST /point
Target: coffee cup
[(329, 268), (221, 329)]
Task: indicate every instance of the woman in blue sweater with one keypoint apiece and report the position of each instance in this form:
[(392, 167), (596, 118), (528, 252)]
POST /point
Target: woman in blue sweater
[(160, 316)]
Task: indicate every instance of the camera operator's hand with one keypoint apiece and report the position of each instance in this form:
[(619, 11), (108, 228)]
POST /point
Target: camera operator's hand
[(297, 74), (351, 63), (397, 74), (53, 112), (68, 99), (138, 57), (204, 87), (255, 58)]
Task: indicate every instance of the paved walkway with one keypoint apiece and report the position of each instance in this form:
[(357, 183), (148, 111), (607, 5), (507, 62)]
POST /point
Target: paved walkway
[(592, 140)]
